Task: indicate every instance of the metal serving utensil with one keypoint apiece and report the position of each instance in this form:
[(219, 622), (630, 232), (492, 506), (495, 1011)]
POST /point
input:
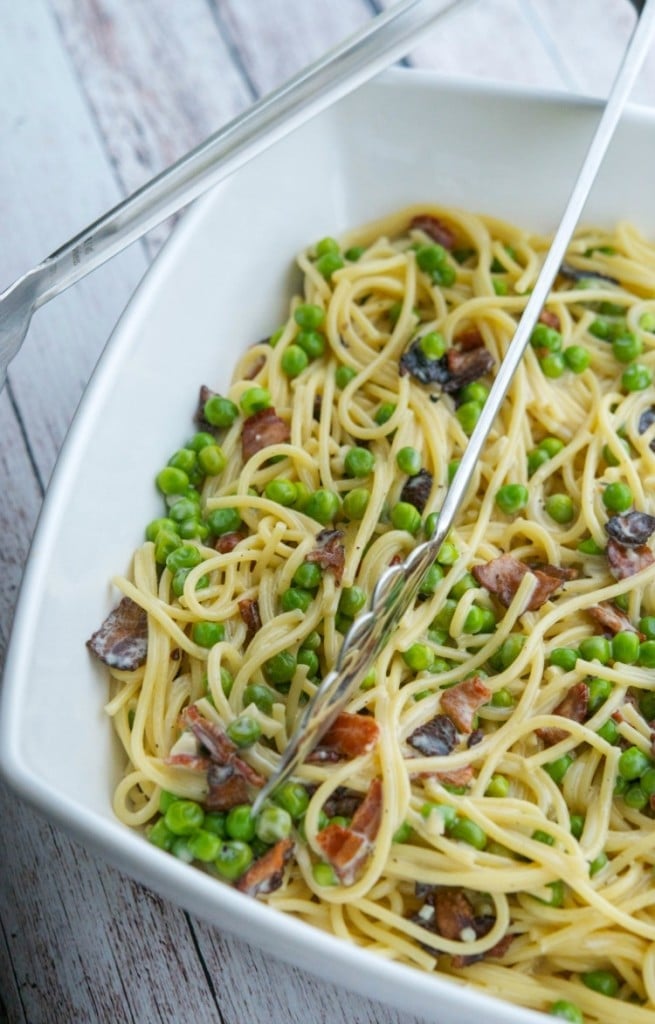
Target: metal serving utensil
[(399, 584), (386, 38)]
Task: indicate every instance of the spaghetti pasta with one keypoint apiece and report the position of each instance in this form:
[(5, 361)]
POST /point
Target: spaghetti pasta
[(485, 806)]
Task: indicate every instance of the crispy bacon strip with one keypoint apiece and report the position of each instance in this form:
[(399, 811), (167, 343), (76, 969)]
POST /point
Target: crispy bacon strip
[(502, 576), (627, 561), (632, 529), (574, 706), (468, 339), (610, 619), (227, 788), (203, 395), (228, 775), (461, 702), (228, 541), (122, 640), (266, 873), (212, 737), (457, 777), (329, 552), (467, 365), (435, 229), (249, 611), (346, 849), (434, 738), (550, 319), (349, 736), (262, 429)]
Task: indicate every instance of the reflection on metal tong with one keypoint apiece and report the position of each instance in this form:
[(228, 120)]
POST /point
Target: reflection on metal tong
[(398, 586)]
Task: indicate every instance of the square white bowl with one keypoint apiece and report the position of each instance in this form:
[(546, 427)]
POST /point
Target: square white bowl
[(222, 282)]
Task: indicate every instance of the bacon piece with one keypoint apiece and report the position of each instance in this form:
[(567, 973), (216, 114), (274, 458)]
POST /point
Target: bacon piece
[(646, 420), (460, 702), (468, 339), (346, 849), (457, 777), (258, 365), (329, 552), (204, 394), (424, 369), (435, 229), (348, 736), (453, 913), (627, 561), (496, 951), (249, 611), (612, 620), (502, 576), (266, 873), (550, 319), (574, 706), (435, 738), (262, 429), (465, 366), (212, 737), (228, 541), (194, 762), (417, 488), (122, 640), (227, 788), (632, 529), (343, 802), (577, 274)]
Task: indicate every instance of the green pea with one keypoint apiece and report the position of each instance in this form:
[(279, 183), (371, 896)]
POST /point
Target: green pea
[(502, 698), (475, 620), (647, 321), (599, 691), (545, 337), (553, 365), (280, 668), (384, 413), (244, 731), (296, 599), (408, 461), (273, 823), (343, 376), (468, 414), (647, 782), (200, 440), (355, 503), (254, 400), (510, 649), (453, 466), (636, 377), (312, 343), (160, 835), (633, 763), (261, 696), (617, 497), (625, 647), (596, 648), (563, 657), (609, 731), (282, 492), (447, 813), (512, 498), (626, 347), (154, 527), (323, 506), (560, 508), (536, 458), (326, 245), (551, 445), (447, 554), (444, 617), (352, 600), (179, 579), (498, 786), (233, 858), (431, 580), (204, 845), (577, 358), (646, 657), (476, 391), (328, 264), (308, 575), (646, 625), (293, 797), (310, 660), (597, 864), (543, 837), (171, 480), (405, 516), (223, 520), (433, 260), (557, 769), (206, 634), (211, 459), (468, 831), (604, 982), (576, 822), (600, 329), (403, 833), (354, 253), (185, 556), (500, 286), (556, 896), (590, 547), (181, 510), (358, 462), (215, 823), (227, 680), (433, 344), (294, 360), (184, 459), (184, 817), (324, 874), (566, 1010), (309, 316), (219, 411), (418, 657)]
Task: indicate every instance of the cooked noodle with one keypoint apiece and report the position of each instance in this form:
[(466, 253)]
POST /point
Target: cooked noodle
[(561, 858)]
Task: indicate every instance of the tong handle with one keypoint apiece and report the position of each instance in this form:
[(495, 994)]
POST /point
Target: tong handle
[(399, 584)]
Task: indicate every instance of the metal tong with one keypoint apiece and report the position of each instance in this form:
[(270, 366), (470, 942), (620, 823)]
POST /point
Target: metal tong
[(398, 585)]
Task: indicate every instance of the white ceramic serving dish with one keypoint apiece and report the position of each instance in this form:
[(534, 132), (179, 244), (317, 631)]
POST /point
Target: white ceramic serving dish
[(222, 282)]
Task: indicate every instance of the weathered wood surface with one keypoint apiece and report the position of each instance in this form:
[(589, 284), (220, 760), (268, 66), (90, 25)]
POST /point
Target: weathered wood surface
[(95, 97)]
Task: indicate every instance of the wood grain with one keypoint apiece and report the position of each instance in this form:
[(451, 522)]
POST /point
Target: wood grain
[(95, 97)]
